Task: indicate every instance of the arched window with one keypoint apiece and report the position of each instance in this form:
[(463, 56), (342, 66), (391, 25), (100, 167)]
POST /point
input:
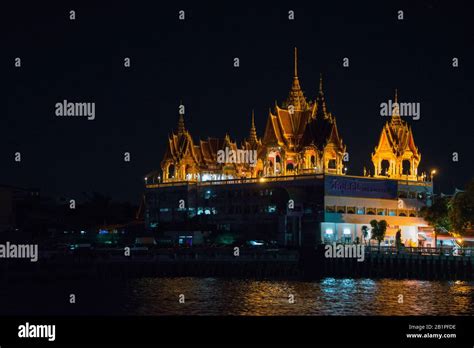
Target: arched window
[(313, 161), (370, 211), (384, 167), (189, 171), (406, 167), (290, 167), (171, 171), (332, 164)]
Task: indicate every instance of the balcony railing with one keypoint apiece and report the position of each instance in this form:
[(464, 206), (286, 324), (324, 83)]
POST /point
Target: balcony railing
[(238, 181), (357, 210), (446, 251)]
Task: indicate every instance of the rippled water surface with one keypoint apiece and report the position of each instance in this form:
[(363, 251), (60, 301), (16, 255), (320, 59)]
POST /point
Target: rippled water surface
[(211, 296)]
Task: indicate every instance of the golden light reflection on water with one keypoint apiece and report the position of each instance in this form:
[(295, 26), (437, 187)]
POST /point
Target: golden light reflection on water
[(211, 296), (264, 297), (461, 294), (329, 296)]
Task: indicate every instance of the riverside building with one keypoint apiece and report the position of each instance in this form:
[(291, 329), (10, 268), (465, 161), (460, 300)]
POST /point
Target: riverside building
[(296, 190)]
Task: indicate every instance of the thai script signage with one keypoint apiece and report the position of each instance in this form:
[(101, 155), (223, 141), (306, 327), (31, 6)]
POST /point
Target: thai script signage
[(360, 187)]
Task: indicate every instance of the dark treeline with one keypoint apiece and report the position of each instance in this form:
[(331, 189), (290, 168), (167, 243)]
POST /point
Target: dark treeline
[(37, 217)]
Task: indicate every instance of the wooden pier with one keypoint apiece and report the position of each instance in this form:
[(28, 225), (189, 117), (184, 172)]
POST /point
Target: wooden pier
[(388, 262)]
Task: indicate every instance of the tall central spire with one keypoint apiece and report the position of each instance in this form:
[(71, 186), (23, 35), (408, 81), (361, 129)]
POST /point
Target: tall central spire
[(321, 83), (321, 110), (396, 119), (253, 130), (296, 62), (296, 97), (181, 128)]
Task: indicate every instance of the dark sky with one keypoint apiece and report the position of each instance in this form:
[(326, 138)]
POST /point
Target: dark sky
[(172, 60)]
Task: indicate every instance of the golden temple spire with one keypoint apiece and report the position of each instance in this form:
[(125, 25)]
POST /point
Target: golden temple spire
[(396, 119), (320, 100), (296, 62), (296, 97), (181, 128), (321, 83), (253, 130)]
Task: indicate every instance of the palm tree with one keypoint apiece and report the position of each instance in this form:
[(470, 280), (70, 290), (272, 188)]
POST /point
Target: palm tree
[(437, 216), (365, 233), (378, 230), (398, 239)]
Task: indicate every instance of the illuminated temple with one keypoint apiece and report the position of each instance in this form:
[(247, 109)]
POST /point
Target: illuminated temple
[(396, 155), (300, 137), (289, 186)]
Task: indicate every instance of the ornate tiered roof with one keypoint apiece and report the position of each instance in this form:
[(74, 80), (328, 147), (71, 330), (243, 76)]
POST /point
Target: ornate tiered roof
[(397, 135), (300, 137), (321, 129), (311, 126), (292, 129), (180, 145), (397, 148)]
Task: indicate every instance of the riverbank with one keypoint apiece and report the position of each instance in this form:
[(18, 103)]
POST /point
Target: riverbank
[(253, 264)]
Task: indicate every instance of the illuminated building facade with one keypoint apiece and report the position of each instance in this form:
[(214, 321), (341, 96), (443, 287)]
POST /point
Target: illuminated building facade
[(290, 185), (396, 155), (351, 202), (300, 137)]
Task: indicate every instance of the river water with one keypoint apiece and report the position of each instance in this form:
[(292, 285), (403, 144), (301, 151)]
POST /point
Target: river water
[(212, 296)]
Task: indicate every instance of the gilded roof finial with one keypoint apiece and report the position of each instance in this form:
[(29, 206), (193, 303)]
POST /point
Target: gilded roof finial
[(396, 119), (181, 128), (320, 100), (296, 62), (253, 130), (321, 83), (296, 97)]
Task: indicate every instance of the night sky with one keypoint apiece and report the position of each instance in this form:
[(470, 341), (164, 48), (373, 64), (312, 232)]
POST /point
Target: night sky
[(192, 61)]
